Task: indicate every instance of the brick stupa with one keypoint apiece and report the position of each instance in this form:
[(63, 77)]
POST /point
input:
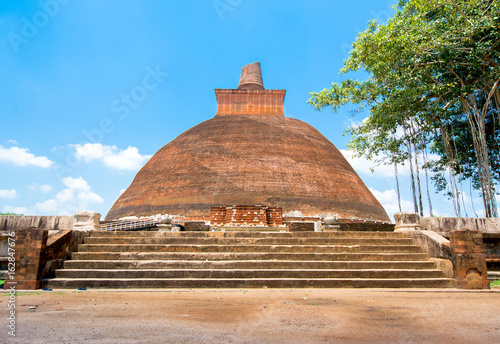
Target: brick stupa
[(248, 154)]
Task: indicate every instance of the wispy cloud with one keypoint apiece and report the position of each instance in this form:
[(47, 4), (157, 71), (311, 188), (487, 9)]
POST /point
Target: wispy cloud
[(389, 200), (43, 188), (129, 159), (8, 193), (21, 157), (16, 210), (76, 196), (365, 166)]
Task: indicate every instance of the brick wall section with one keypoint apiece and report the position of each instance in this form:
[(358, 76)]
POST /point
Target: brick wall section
[(246, 215), (37, 255), (59, 248), (218, 216), (274, 216), (469, 263), (30, 246), (250, 102)]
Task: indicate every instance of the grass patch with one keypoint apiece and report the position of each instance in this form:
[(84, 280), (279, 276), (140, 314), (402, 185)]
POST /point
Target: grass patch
[(495, 284)]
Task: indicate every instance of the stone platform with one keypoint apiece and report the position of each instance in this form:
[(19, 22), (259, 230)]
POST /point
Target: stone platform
[(249, 259)]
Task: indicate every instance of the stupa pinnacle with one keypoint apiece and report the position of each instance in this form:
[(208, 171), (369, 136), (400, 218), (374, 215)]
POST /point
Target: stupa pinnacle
[(251, 77), (248, 154)]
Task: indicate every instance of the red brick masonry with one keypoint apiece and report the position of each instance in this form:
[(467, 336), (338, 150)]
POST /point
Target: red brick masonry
[(250, 102), (246, 215), (469, 263), (30, 246)]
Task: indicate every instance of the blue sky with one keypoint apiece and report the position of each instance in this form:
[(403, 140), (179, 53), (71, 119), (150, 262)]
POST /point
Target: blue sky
[(91, 89)]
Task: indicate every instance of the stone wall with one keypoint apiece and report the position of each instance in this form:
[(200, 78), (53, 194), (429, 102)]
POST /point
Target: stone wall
[(9, 222), (81, 220), (444, 225), (448, 224), (366, 226), (37, 255), (30, 246), (489, 227)]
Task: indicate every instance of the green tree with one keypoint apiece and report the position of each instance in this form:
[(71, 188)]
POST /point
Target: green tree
[(433, 85)]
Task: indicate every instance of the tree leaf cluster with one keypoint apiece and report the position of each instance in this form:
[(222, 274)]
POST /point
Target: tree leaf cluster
[(433, 86)]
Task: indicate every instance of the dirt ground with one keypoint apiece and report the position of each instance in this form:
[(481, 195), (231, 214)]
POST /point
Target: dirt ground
[(255, 316)]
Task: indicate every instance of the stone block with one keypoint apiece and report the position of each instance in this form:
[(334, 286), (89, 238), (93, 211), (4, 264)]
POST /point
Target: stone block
[(407, 221), (196, 226), (86, 221), (301, 226), (469, 262)]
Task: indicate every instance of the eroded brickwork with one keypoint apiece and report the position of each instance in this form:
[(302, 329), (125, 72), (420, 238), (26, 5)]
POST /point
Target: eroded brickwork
[(30, 246), (246, 215), (469, 263), (250, 102)]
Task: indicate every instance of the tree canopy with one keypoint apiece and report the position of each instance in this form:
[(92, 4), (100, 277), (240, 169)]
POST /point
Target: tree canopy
[(433, 86)]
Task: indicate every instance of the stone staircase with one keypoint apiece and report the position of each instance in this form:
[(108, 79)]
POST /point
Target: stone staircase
[(246, 259)]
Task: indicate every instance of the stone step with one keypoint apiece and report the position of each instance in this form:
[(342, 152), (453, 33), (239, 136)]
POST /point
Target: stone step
[(250, 248), (247, 273), (57, 283), (246, 234), (245, 264), (248, 256), (248, 259), (494, 276), (246, 241)]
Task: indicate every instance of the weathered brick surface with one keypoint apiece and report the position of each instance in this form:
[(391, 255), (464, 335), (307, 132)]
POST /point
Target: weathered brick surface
[(365, 226), (251, 77), (250, 102), (467, 256), (248, 160), (274, 216), (249, 153), (246, 215), (29, 249), (301, 226), (196, 226)]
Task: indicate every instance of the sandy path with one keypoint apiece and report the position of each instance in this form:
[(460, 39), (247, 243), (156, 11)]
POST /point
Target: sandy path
[(256, 316)]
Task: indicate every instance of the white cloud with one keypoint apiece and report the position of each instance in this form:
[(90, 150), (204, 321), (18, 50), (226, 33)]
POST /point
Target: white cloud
[(8, 193), (50, 207), (22, 157), (93, 151), (76, 183), (122, 191), (14, 142), (43, 188), (389, 200), (17, 210), (76, 196), (365, 166), (129, 159)]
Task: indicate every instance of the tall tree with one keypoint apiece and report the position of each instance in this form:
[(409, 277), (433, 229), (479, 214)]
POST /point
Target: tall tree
[(435, 63)]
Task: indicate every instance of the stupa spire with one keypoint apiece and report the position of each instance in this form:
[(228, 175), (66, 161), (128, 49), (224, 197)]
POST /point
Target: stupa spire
[(251, 77)]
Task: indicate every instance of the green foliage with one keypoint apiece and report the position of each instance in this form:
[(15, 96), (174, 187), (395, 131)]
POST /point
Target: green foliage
[(495, 284), (434, 72), (14, 214)]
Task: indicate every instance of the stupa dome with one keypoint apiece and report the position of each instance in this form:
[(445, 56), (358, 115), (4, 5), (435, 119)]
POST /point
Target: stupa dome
[(248, 154)]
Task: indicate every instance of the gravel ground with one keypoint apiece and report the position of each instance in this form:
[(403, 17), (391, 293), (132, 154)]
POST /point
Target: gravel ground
[(255, 316)]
